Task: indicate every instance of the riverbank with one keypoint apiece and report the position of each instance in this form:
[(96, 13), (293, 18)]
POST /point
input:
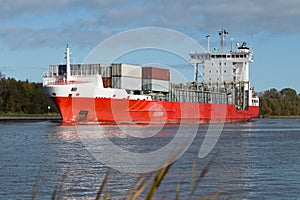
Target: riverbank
[(56, 116), (50, 116), (279, 117)]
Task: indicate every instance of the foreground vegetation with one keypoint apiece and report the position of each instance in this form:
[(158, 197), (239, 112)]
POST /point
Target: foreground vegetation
[(144, 187)]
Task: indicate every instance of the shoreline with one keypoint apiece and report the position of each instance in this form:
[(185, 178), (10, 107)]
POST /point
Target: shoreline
[(29, 117), (58, 117), (278, 117)]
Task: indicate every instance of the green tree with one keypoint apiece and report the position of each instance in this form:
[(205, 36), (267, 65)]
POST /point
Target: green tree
[(23, 97), (272, 93), (283, 103), (10, 105), (289, 94)]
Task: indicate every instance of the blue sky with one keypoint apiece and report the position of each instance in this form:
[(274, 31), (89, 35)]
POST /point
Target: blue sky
[(33, 34)]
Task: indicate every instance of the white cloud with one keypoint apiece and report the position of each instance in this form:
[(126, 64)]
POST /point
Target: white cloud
[(18, 37), (98, 19)]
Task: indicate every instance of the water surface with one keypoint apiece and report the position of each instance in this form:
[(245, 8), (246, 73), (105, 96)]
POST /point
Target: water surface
[(254, 160)]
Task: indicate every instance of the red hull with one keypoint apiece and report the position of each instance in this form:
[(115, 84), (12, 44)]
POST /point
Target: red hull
[(108, 110)]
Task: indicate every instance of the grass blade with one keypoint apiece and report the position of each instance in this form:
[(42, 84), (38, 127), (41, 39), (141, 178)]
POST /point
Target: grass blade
[(139, 191), (178, 191), (193, 174), (102, 186), (106, 196), (139, 186), (34, 190), (159, 177), (202, 174)]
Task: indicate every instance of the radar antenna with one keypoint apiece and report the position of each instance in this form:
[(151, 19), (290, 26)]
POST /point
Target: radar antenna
[(222, 33)]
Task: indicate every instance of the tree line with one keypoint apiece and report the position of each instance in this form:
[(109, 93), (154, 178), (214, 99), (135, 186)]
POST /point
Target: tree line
[(23, 97), (279, 103)]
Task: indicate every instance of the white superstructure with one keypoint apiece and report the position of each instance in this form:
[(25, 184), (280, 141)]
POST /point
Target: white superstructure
[(226, 71)]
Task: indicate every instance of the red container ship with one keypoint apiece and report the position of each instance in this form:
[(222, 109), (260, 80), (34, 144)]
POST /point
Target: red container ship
[(123, 93)]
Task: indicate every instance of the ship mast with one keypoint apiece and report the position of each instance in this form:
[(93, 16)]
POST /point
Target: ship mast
[(208, 42), (68, 63), (222, 33)]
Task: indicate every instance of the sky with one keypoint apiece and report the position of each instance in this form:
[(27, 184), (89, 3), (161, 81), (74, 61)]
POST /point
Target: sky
[(34, 34)]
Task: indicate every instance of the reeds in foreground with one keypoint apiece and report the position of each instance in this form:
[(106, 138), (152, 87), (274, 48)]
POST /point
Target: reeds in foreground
[(140, 185)]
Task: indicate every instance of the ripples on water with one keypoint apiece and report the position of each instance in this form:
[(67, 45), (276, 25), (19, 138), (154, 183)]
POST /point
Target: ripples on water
[(253, 160)]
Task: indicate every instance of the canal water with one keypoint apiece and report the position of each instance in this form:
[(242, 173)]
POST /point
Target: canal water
[(259, 159)]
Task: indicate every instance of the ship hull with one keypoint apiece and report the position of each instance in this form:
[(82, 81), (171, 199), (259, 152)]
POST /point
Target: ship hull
[(108, 110)]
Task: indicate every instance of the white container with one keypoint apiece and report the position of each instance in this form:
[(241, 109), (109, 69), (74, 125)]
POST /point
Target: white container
[(53, 70), (85, 69), (127, 70), (156, 85), (128, 83), (105, 71)]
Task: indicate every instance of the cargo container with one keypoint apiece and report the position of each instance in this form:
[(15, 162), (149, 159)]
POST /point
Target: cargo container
[(82, 69), (85, 69), (125, 82), (156, 85), (106, 82), (156, 73), (127, 70), (53, 70), (105, 71)]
